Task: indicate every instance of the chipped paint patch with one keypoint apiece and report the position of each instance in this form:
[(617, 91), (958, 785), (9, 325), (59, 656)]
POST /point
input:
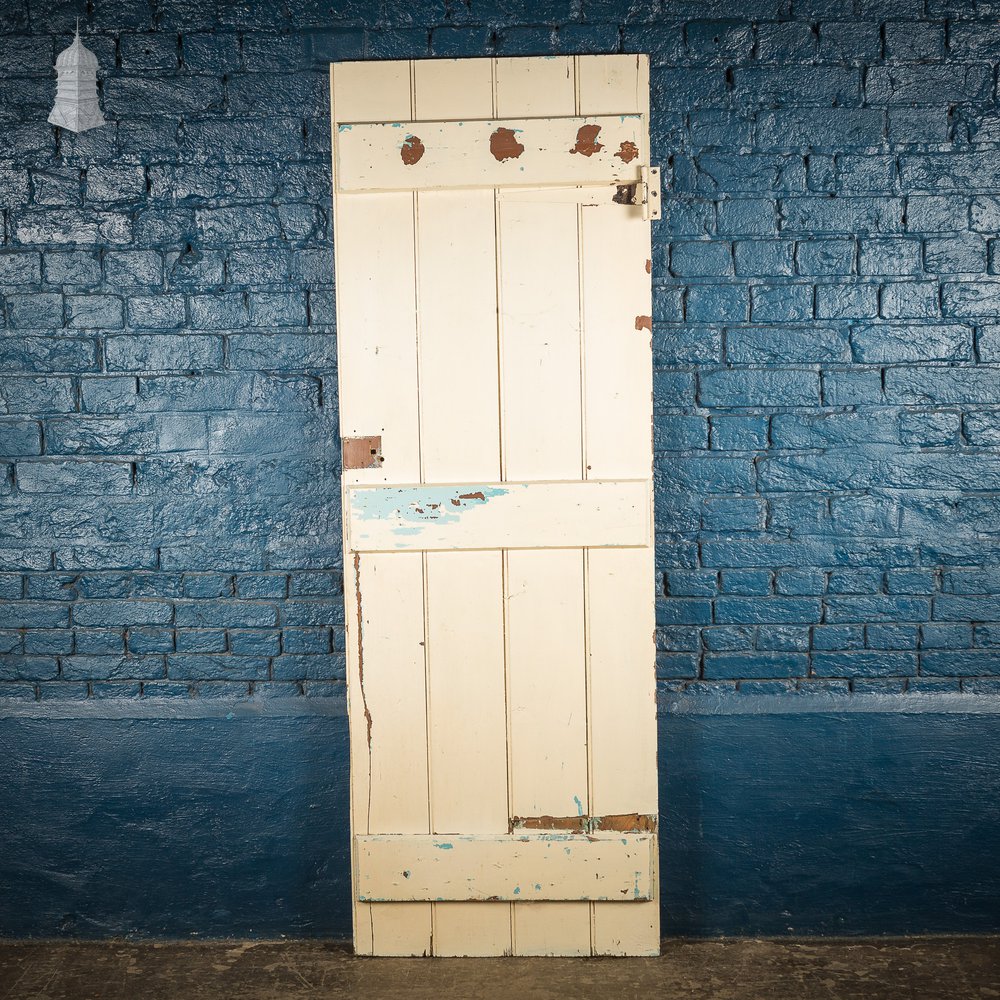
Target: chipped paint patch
[(409, 506), (644, 323), (504, 144), (624, 194), (586, 140), (627, 151), (649, 266), (411, 150)]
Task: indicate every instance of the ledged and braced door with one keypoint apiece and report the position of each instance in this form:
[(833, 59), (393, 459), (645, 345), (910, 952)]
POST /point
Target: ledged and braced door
[(493, 319)]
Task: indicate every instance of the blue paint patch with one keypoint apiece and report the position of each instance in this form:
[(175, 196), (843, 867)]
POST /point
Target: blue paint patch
[(444, 846), (344, 128), (579, 805), (517, 890)]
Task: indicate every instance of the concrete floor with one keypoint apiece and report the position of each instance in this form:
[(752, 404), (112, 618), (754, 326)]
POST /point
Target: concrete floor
[(911, 968)]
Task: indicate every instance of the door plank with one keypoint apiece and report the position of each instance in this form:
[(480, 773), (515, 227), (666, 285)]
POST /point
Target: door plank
[(548, 721), (459, 391), (375, 281), (618, 390), (391, 691), (540, 356), (499, 515), (467, 729), (606, 866), (474, 153), (540, 335)]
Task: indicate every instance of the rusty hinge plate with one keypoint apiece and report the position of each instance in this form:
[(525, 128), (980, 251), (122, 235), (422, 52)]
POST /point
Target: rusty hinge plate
[(362, 452)]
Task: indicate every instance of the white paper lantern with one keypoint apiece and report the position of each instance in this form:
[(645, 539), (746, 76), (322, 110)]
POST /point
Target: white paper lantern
[(76, 105)]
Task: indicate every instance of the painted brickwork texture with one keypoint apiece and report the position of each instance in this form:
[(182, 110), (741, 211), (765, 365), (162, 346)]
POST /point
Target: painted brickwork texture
[(826, 336)]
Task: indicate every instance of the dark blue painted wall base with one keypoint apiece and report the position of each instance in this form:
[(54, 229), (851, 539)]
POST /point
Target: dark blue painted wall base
[(227, 820)]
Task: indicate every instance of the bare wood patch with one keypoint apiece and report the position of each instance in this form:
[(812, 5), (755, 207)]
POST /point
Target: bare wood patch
[(412, 149), (577, 824), (625, 823), (627, 151), (362, 452), (504, 145), (644, 323), (586, 140)]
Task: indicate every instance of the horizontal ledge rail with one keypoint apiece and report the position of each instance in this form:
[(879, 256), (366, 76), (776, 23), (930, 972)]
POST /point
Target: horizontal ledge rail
[(596, 514), (518, 152), (609, 867)]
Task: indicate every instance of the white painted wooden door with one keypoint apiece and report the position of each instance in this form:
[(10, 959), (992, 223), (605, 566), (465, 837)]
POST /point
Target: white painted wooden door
[(493, 320)]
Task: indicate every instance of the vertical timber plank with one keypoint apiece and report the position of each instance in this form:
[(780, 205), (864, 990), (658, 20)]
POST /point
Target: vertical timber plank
[(548, 722), (460, 441), (378, 395), (542, 428), (618, 390), (392, 695)]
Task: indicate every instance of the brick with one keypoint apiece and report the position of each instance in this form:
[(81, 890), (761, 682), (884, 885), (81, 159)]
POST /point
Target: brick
[(255, 642), (76, 269), (321, 666), (225, 614), (932, 85), (717, 303), (825, 257), (786, 41), (271, 309), (747, 217), (71, 226), (701, 259), (195, 666), (855, 301), (849, 215), (968, 663), (94, 312), (955, 255), (19, 438), (864, 664), (115, 183), (35, 394), (218, 312), (913, 41), (739, 433), (971, 299), (929, 428), (163, 352), (764, 258), (41, 310), (737, 665), (100, 642), (156, 312), (910, 300), (745, 582), (759, 387), (133, 268), (74, 477), (939, 213), (888, 343), (821, 86), (820, 128), (850, 42), (889, 257), (781, 303), (786, 344)]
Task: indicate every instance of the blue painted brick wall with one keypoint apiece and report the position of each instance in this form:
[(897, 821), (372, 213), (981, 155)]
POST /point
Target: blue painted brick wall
[(826, 337)]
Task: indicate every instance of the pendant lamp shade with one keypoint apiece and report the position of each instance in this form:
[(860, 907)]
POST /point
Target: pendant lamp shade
[(76, 106)]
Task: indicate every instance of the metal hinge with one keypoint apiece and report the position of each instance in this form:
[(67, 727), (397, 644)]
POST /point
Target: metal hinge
[(648, 190)]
